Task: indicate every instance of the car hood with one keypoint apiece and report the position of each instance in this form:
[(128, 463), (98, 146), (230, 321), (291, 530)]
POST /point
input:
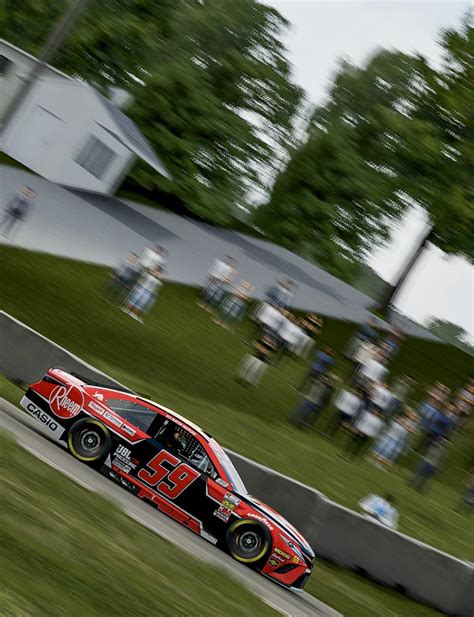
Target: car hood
[(272, 515)]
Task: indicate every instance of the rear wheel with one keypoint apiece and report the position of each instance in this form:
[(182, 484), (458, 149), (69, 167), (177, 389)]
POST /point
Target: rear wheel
[(248, 541), (89, 441)]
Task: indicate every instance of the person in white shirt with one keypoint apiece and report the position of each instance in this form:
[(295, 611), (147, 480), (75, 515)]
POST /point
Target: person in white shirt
[(153, 257), (366, 427), (381, 397), (220, 277), (347, 404), (391, 443), (143, 294), (374, 369)]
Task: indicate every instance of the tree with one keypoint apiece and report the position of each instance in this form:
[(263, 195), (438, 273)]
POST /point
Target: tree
[(212, 86), (218, 103), (113, 41), (338, 194), (450, 333), (435, 151)]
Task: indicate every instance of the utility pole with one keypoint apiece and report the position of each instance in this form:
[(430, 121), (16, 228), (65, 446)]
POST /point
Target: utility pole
[(54, 42), (389, 297)]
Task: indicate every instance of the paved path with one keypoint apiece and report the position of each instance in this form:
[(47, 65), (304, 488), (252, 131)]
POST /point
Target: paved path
[(102, 230), (28, 433)]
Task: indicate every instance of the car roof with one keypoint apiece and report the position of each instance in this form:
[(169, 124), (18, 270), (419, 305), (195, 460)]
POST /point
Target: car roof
[(121, 394)]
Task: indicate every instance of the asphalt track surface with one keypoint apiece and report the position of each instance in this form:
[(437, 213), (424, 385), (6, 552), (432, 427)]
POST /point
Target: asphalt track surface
[(29, 434)]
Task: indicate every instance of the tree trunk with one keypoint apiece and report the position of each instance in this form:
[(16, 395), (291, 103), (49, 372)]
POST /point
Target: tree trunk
[(388, 299)]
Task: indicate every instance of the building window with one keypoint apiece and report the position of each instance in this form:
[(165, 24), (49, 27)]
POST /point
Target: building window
[(5, 64), (96, 157)]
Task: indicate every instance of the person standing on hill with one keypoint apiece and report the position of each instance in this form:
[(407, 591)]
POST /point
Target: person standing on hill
[(220, 278), (17, 210)]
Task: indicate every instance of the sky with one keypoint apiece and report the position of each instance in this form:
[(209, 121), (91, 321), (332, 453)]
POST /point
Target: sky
[(324, 31)]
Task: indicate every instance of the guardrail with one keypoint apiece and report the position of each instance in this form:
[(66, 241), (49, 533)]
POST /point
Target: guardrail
[(336, 533)]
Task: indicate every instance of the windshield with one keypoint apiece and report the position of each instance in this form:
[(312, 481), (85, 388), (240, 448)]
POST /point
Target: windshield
[(230, 470)]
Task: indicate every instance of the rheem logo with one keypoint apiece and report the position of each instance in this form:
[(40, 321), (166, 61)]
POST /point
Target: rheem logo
[(66, 401)]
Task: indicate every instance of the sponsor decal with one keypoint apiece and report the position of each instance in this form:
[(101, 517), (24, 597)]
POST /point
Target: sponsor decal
[(66, 401), (277, 558), (127, 429), (232, 499), (112, 419), (99, 396), (221, 482), (263, 520), (228, 505), (282, 553), (97, 408), (273, 562), (43, 417), (295, 559), (122, 459)]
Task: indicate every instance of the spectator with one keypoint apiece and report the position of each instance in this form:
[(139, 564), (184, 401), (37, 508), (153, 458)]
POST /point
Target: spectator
[(17, 209), (375, 369), (311, 326), (390, 346), (314, 402), (323, 361), (367, 333), (391, 443), (401, 394), (122, 279), (429, 466), (280, 294), (366, 427), (232, 307), (153, 257), (290, 335), (381, 509), (253, 365), (464, 402), (221, 275), (143, 294), (440, 424), (380, 396), (347, 404), (270, 321), (467, 502)]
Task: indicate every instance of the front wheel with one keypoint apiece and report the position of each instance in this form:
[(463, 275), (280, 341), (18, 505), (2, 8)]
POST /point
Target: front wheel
[(248, 541), (89, 441)]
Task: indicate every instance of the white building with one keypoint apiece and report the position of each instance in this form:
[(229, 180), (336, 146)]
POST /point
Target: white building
[(66, 131)]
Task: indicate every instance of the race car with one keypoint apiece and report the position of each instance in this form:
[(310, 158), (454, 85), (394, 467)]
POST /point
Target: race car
[(172, 464)]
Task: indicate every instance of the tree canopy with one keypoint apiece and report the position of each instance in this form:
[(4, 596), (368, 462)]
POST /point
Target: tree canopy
[(211, 85), (393, 133)]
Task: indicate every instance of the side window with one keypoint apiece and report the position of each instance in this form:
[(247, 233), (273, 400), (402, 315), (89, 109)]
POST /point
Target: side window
[(179, 441), (138, 415)]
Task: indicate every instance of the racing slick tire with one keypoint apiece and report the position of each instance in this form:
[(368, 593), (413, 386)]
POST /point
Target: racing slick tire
[(248, 541), (89, 441)]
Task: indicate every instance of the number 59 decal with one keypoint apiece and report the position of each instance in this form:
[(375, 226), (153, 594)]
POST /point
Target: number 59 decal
[(171, 482)]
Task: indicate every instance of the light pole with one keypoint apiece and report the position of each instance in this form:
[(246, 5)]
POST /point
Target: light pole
[(54, 42)]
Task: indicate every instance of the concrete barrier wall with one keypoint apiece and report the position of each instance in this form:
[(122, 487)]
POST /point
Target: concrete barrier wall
[(336, 533), (356, 542), (25, 355)]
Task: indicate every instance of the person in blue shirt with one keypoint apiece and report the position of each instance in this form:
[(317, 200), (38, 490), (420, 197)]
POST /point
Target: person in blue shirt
[(322, 363)]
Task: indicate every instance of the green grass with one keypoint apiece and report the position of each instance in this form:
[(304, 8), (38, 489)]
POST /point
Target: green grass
[(67, 551), (149, 576), (182, 359)]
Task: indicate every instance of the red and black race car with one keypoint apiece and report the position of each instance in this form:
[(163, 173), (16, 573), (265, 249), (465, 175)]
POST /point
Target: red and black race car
[(174, 465)]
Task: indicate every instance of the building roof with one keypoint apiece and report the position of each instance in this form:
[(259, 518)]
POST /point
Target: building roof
[(132, 137), (127, 131)]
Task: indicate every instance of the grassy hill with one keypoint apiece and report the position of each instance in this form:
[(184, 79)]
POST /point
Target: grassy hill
[(182, 359)]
